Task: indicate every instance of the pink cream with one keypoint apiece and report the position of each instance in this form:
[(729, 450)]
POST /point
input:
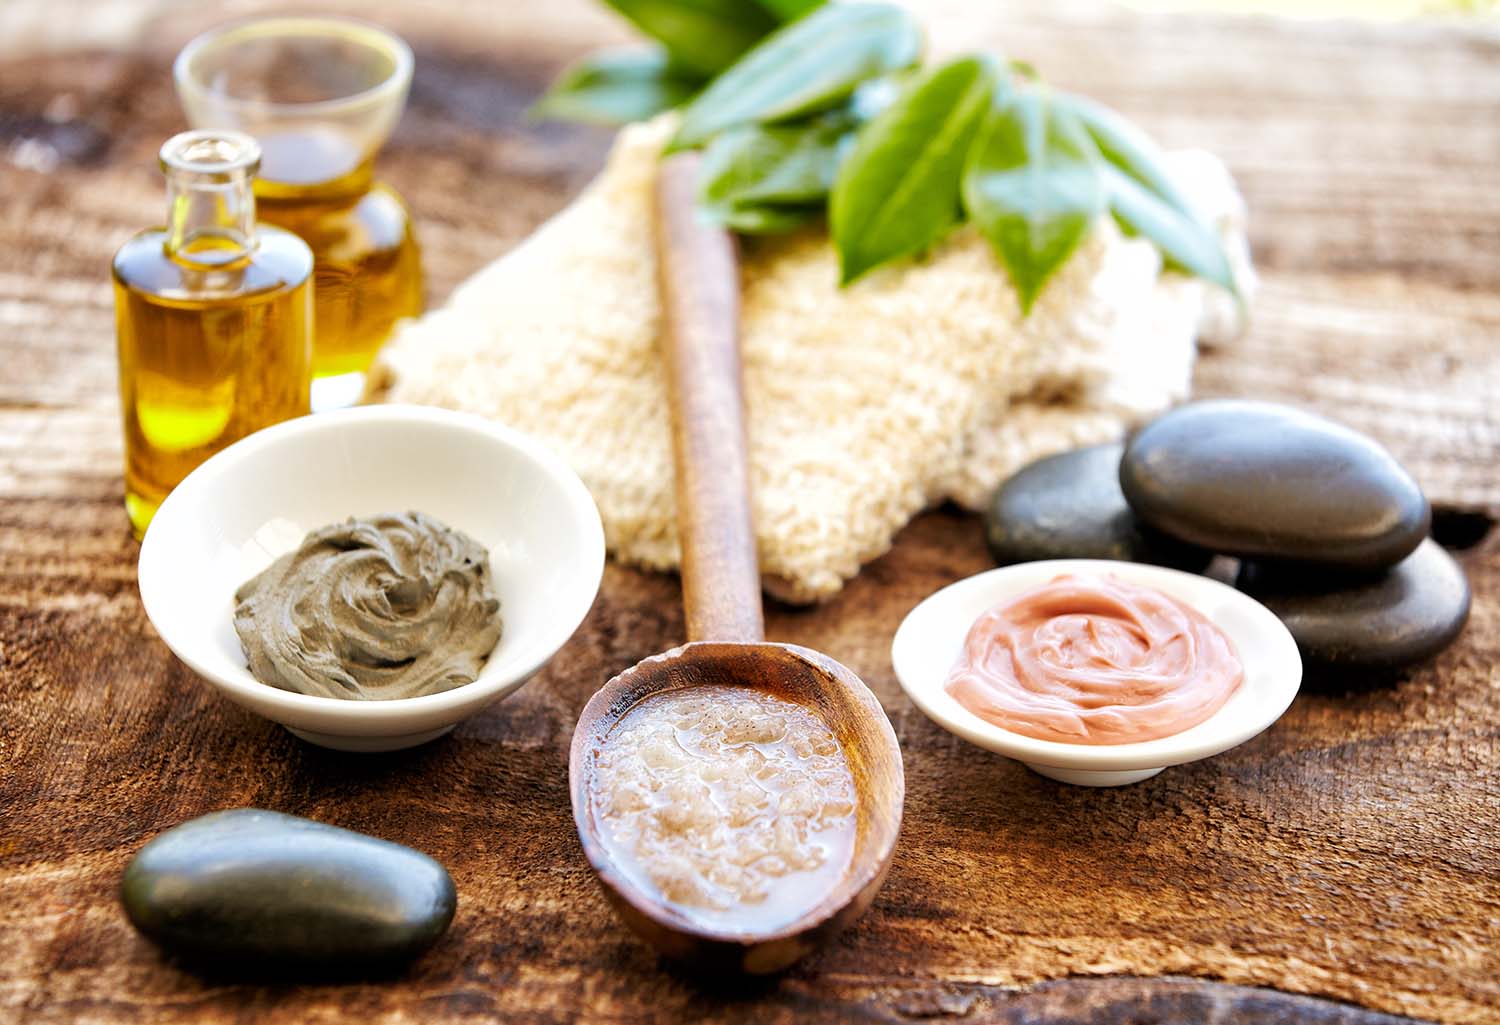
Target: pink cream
[(1094, 660)]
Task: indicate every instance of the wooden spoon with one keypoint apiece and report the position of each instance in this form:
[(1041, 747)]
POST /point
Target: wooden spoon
[(721, 594)]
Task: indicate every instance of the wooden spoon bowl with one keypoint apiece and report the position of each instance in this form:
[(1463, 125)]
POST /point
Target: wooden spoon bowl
[(725, 627), (787, 671)]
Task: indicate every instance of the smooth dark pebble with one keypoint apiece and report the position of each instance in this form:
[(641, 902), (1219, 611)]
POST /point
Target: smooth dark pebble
[(255, 890), (1264, 481), (1386, 622), (1069, 506), (1460, 528)]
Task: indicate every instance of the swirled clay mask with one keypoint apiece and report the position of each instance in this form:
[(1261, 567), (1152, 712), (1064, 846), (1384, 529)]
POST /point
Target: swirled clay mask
[(394, 606), (1094, 660)]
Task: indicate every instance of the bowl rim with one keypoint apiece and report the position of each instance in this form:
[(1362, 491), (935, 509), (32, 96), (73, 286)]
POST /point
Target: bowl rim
[(1274, 645), (331, 26), (269, 700), (600, 712)]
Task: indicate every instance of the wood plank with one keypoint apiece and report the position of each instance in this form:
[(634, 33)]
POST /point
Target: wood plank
[(1346, 854)]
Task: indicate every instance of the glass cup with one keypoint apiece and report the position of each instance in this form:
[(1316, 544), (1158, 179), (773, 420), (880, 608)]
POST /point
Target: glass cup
[(321, 95)]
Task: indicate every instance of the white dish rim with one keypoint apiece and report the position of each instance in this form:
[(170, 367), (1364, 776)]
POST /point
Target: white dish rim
[(153, 580), (1272, 644)]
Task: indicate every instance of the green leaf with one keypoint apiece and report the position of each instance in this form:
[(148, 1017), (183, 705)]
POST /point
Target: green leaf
[(1145, 200), (872, 96), (768, 179), (807, 66), (898, 191), (754, 165), (703, 36), (1033, 187), (614, 87), (1186, 243), (1127, 147), (790, 10), (1024, 69), (768, 219)]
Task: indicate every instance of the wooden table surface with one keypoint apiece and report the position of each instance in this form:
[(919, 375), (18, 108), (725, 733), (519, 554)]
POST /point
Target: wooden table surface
[(1339, 868)]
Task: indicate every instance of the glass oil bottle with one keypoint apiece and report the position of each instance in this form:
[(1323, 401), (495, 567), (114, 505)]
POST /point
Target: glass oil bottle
[(322, 95), (367, 269), (214, 320)]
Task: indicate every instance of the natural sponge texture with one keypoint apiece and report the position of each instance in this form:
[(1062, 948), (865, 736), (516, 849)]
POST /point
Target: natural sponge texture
[(917, 384)]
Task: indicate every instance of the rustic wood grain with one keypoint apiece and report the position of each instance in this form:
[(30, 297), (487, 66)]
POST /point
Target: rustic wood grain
[(1347, 854), (699, 282)]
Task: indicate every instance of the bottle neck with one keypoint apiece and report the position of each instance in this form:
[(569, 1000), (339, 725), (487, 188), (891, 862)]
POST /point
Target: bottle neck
[(210, 199)]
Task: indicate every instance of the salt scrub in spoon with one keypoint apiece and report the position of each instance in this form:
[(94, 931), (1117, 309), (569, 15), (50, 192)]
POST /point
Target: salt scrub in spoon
[(395, 606), (735, 805), (1095, 660)]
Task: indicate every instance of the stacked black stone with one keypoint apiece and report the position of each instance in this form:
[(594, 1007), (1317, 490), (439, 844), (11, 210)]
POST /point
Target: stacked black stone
[(1070, 506), (1330, 531)]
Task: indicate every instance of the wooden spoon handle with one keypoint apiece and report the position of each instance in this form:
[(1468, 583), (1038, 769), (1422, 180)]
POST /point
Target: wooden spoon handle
[(699, 280)]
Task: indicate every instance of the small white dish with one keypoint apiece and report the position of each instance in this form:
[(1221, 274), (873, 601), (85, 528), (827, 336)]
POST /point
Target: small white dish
[(930, 640), (259, 497)]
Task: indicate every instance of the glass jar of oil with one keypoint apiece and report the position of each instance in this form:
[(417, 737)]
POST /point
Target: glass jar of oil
[(214, 320), (321, 95), (366, 266)]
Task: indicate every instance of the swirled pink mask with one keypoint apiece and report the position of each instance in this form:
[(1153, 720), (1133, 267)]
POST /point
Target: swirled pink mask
[(1094, 660)]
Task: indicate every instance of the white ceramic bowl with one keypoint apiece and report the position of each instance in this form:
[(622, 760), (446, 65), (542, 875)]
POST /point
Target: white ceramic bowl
[(930, 639), (256, 500)]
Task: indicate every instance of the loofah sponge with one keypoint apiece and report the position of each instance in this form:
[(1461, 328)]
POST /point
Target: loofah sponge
[(919, 383)]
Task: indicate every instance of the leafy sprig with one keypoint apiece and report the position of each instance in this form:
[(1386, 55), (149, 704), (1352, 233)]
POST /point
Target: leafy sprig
[(898, 191), (615, 87), (1033, 186), (803, 108)]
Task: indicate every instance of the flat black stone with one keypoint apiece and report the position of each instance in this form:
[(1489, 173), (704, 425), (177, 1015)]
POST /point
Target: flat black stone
[(1069, 506), (1264, 481), (1400, 617), (258, 890)]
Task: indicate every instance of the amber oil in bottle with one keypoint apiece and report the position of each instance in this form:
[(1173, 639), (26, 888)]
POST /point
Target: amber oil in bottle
[(214, 320), (367, 267)]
